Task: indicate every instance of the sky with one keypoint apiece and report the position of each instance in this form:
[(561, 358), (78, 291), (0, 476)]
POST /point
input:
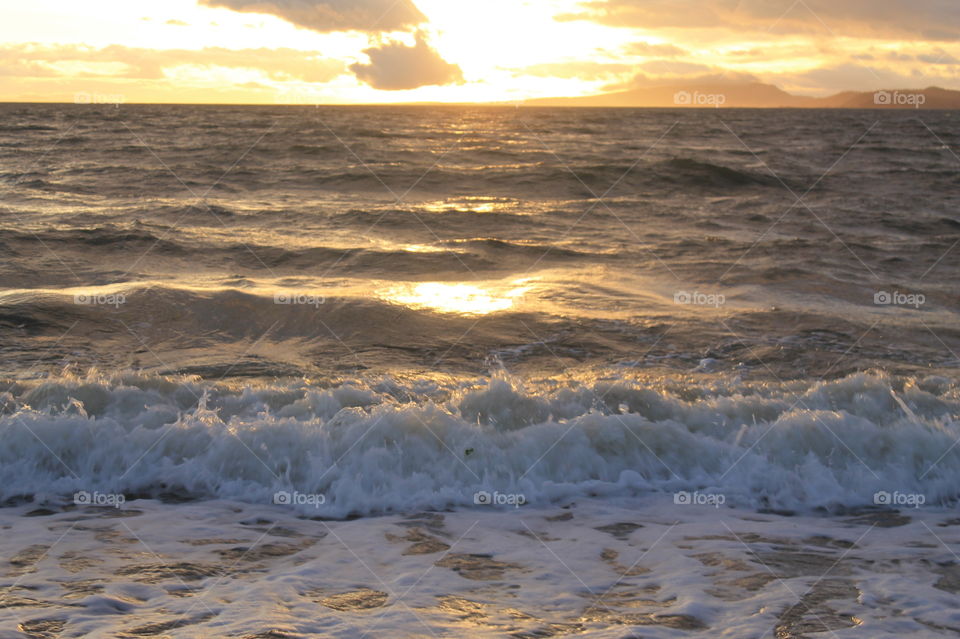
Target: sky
[(382, 51)]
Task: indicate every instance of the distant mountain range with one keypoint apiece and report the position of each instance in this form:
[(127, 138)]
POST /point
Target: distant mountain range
[(761, 96)]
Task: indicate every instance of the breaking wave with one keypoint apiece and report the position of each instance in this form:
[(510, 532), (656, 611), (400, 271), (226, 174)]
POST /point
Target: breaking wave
[(387, 445)]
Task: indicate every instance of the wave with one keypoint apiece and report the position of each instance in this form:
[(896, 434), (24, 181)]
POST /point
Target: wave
[(528, 177), (479, 254), (927, 226), (382, 446), (55, 187), (709, 175), (503, 248), (103, 237), (27, 127), (547, 178), (191, 325)]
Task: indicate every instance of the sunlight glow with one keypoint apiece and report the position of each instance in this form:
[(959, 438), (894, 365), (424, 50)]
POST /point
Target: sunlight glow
[(504, 51), (473, 204), (462, 299)]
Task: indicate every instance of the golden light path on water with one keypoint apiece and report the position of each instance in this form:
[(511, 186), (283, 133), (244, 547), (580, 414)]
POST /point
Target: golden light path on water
[(462, 299)]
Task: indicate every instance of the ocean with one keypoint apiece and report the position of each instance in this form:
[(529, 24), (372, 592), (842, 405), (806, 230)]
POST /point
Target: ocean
[(275, 371)]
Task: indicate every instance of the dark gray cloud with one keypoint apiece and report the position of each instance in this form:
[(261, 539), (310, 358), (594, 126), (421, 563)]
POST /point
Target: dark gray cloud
[(395, 66), (917, 19), (334, 15)]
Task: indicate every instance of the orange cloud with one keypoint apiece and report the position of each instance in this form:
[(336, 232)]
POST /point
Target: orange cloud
[(582, 70), (334, 15), (658, 50), (30, 60), (917, 19)]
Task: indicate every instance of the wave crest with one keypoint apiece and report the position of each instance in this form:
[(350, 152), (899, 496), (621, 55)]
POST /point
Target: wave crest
[(380, 445)]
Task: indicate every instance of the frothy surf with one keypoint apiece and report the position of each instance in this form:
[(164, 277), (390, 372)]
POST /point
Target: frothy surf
[(387, 445)]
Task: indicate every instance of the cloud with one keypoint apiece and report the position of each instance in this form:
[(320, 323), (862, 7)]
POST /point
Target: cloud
[(395, 66), (672, 67), (918, 19), (938, 57), (654, 50), (30, 60), (581, 70), (334, 15), (856, 77)]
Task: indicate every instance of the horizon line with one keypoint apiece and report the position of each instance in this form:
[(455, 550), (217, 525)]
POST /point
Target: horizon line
[(97, 99)]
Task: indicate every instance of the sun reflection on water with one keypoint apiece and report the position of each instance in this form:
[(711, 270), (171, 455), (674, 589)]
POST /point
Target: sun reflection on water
[(471, 204), (423, 248), (462, 299)]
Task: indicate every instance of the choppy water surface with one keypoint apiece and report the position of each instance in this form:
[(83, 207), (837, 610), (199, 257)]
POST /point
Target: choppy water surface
[(298, 372), (432, 240), (563, 301)]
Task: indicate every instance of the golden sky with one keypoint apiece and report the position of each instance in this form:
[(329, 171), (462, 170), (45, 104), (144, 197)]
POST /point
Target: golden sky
[(373, 51)]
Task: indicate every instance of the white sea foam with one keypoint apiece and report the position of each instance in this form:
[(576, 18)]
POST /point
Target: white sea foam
[(599, 568), (384, 445)]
